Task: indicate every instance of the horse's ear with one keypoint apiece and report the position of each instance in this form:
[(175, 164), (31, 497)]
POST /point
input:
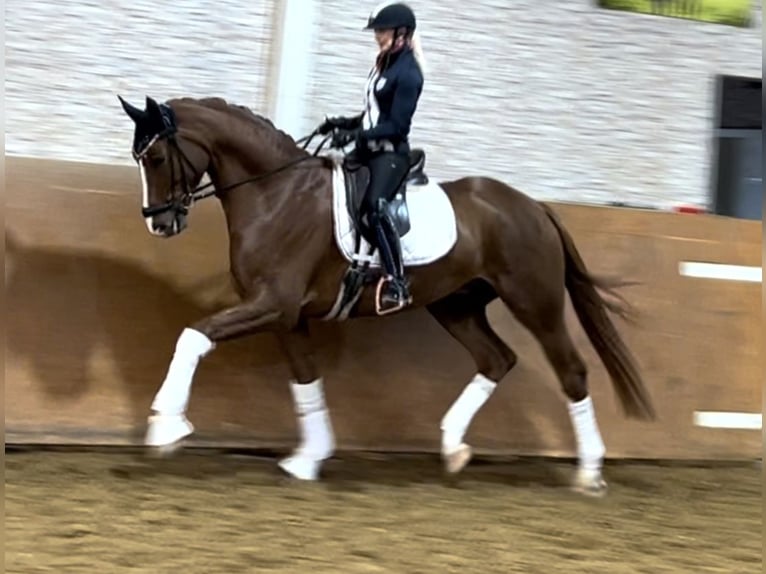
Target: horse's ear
[(133, 112), (153, 108)]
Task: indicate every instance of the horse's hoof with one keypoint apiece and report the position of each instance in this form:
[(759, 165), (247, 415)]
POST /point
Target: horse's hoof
[(165, 451), (590, 484), (301, 467), (166, 433), (456, 460)]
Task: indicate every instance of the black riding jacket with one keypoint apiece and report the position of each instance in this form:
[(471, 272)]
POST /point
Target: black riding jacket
[(391, 98)]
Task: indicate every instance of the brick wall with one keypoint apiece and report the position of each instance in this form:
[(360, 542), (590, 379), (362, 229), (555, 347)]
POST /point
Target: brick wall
[(67, 61), (561, 99)]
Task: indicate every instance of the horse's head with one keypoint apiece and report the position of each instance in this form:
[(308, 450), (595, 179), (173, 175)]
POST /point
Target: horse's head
[(171, 164)]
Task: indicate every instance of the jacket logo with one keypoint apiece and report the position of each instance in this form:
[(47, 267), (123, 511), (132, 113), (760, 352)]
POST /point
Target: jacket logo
[(380, 84)]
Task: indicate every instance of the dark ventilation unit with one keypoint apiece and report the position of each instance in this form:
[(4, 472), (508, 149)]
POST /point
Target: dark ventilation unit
[(738, 158)]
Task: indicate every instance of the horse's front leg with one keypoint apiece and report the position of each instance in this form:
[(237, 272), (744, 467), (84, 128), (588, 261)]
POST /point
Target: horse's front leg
[(317, 441), (168, 423)]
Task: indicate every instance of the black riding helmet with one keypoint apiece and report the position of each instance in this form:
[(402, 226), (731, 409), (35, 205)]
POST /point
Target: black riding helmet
[(393, 16)]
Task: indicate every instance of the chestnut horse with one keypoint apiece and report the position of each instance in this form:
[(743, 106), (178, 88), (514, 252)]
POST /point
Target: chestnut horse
[(284, 206)]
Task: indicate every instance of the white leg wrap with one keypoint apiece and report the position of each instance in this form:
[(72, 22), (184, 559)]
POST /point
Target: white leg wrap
[(170, 425), (317, 438), (590, 447), (458, 418), (173, 396), (317, 441)]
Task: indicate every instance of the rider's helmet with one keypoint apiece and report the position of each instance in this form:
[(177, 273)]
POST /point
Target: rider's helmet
[(391, 15)]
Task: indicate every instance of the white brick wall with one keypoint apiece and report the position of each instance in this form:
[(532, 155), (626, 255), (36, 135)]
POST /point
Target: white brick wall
[(561, 99), (67, 61)]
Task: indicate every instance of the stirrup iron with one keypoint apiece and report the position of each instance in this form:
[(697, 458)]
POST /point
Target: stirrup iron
[(378, 298)]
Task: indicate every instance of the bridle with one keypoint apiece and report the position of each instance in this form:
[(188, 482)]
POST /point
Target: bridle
[(180, 204)]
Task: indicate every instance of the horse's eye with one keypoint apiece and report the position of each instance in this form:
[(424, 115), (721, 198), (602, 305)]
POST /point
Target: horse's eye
[(157, 160)]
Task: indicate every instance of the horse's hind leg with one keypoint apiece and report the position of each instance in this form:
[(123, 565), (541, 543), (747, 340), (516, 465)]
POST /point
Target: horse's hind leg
[(572, 374), (542, 312), (463, 315)]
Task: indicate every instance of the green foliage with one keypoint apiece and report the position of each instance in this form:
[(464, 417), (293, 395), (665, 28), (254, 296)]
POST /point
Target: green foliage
[(727, 12)]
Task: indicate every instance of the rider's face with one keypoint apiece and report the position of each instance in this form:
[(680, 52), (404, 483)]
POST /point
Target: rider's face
[(384, 38)]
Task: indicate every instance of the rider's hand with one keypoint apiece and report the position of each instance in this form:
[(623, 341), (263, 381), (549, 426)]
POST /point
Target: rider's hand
[(328, 125), (342, 138), (360, 138)]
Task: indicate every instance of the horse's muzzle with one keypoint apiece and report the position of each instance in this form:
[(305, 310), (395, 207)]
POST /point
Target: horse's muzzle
[(168, 227)]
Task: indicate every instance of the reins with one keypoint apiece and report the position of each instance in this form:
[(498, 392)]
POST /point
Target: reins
[(268, 174)]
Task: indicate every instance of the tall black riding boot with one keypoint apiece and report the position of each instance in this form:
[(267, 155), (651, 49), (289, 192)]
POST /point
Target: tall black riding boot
[(395, 293)]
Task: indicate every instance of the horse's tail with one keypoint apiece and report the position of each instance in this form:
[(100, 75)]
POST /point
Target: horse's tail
[(592, 310)]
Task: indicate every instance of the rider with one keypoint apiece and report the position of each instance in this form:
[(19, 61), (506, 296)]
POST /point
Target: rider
[(380, 133)]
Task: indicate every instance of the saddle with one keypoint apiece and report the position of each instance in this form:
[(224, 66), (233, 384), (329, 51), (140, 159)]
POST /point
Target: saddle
[(357, 178)]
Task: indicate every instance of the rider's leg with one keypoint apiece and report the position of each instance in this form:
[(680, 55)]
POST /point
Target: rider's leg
[(387, 171), (388, 240)]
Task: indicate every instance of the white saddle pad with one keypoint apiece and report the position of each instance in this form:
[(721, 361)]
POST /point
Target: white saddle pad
[(433, 228)]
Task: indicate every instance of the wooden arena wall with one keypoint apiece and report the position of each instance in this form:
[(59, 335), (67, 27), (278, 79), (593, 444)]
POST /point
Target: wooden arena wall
[(95, 304)]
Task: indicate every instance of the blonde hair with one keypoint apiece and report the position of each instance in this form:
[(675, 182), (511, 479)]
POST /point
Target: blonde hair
[(417, 50)]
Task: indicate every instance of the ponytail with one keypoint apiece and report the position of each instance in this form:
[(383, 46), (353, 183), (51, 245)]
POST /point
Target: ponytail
[(417, 50)]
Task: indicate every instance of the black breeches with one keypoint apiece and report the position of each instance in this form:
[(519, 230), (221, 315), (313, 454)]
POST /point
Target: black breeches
[(387, 170)]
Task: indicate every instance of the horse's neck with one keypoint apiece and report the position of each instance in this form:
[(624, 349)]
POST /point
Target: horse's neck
[(247, 203), (268, 201), (239, 155), (252, 154)]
